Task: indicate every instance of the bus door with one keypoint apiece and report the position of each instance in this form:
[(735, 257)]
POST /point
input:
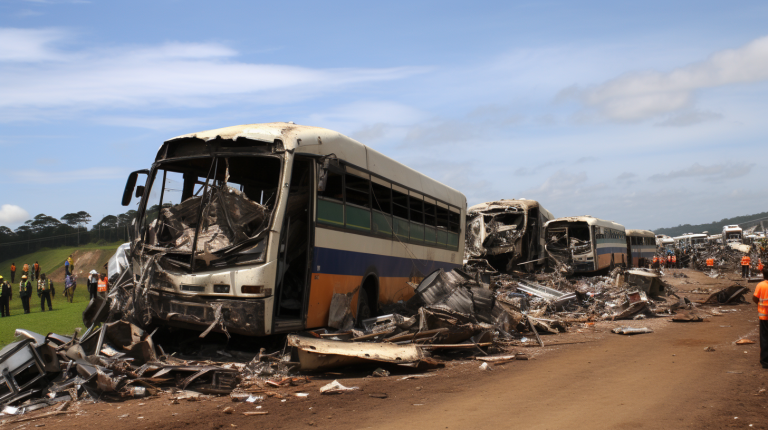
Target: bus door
[(630, 254), (295, 252)]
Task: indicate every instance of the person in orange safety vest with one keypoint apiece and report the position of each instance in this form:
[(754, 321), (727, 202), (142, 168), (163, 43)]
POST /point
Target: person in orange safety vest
[(710, 262), (745, 260), (673, 260), (655, 263), (760, 265), (761, 298)]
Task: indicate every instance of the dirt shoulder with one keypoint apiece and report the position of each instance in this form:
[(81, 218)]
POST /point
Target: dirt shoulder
[(587, 378)]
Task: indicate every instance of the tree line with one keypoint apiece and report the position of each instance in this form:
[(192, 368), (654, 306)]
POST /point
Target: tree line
[(45, 231)]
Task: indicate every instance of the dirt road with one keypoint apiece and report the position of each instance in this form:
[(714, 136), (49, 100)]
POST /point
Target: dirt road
[(663, 380)]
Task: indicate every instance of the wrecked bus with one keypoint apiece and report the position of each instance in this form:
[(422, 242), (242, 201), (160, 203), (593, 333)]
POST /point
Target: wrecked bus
[(508, 234), (252, 229), (641, 247), (587, 243)]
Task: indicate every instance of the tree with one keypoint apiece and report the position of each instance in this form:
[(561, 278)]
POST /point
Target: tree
[(83, 217), (109, 221), (43, 223), (71, 219)]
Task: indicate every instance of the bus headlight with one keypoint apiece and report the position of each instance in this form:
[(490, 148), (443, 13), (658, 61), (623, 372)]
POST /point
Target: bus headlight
[(256, 289)]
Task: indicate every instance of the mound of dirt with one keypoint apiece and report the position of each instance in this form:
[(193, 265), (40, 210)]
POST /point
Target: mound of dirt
[(85, 261)]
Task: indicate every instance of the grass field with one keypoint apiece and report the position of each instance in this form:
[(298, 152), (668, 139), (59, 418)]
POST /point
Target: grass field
[(65, 316)]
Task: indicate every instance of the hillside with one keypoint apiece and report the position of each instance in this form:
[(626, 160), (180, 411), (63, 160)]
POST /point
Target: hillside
[(87, 257), (715, 227)]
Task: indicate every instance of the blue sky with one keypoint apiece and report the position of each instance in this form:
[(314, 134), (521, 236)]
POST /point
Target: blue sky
[(650, 114)]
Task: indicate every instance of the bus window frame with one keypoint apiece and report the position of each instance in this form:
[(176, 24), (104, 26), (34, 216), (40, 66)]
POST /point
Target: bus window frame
[(347, 168)]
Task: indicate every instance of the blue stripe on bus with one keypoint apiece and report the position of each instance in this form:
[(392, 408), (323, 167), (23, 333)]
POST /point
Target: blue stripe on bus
[(612, 250), (337, 262)]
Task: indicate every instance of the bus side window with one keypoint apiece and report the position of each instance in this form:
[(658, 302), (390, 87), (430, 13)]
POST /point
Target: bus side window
[(443, 224), (400, 212), (430, 220), (416, 202), (358, 202), (330, 203), (454, 215), (381, 200)]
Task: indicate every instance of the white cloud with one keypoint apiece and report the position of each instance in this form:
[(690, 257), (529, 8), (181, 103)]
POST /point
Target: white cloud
[(35, 76), (692, 117), (29, 45), (715, 172), (12, 214), (642, 95), (153, 123), (51, 177)]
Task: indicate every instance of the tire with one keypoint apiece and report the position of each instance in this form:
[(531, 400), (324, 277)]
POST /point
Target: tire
[(363, 307)]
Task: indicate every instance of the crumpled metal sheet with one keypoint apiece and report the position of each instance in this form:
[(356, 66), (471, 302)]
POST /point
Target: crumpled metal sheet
[(228, 218), (451, 291)]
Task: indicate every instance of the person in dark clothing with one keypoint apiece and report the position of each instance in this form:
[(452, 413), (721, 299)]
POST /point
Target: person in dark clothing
[(92, 283), (44, 291), (25, 292), (36, 268), (13, 272), (5, 298)]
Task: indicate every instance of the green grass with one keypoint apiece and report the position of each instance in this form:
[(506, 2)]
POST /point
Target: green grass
[(65, 317)]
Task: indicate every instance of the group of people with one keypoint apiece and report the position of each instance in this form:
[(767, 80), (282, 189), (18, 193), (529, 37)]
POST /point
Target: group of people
[(25, 271), (746, 266), (45, 290), (665, 261)]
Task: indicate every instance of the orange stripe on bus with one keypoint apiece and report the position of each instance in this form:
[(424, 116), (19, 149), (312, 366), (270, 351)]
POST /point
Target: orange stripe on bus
[(324, 286)]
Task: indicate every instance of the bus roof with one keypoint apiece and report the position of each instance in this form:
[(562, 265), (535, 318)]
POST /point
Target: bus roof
[(590, 220), (321, 141), (504, 203), (640, 233)]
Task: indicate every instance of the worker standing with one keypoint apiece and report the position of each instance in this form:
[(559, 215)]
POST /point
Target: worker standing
[(5, 298), (13, 272), (710, 263), (655, 263), (37, 270), (745, 260), (760, 266), (25, 291), (66, 267), (674, 260), (761, 298), (92, 283), (103, 284), (71, 264), (44, 291), (25, 270)]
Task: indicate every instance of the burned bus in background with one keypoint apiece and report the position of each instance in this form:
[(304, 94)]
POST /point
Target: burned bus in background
[(508, 234), (641, 246), (253, 229), (586, 243)]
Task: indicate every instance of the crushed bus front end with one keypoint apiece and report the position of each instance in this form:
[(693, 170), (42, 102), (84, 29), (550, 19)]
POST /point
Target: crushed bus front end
[(202, 251)]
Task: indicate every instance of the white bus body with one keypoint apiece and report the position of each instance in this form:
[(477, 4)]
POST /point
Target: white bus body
[(291, 215)]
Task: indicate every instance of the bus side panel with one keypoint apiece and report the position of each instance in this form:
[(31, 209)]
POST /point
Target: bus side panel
[(321, 291), (340, 271), (606, 250)]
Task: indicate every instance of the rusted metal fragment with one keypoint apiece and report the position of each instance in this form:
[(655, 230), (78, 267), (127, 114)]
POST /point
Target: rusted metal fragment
[(732, 294)]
